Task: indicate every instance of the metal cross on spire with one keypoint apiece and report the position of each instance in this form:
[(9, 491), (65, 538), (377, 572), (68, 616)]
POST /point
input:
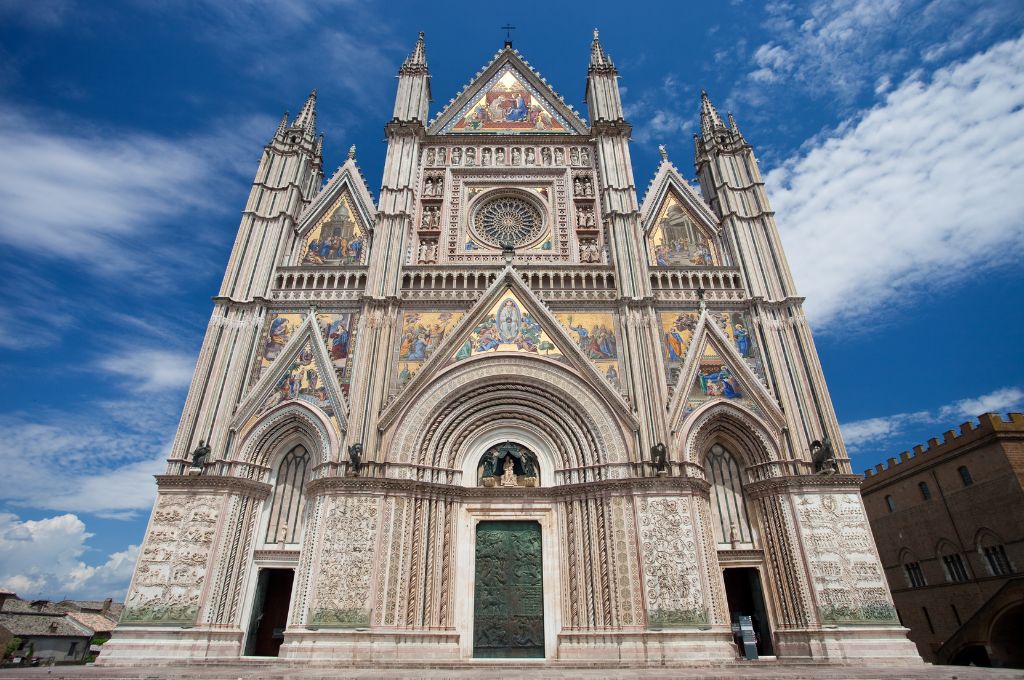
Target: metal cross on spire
[(508, 28)]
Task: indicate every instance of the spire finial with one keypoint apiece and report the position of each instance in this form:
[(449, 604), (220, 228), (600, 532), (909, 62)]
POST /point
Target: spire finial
[(709, 118), (307, 116), (508, 28), (417, 59), (352, 152), (282, 125), (598, 58), (663, 152)]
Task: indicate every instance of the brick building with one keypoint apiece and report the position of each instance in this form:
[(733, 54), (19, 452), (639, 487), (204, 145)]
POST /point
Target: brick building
[(948, 523)]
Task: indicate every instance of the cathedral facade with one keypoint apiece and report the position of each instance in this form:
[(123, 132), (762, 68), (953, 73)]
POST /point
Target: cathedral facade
[(510, 409)]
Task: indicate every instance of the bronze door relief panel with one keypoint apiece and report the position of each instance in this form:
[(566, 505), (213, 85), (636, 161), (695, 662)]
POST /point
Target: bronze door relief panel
[(508, 598)]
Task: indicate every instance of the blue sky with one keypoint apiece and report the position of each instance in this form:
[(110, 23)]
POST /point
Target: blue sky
[(891, 134)]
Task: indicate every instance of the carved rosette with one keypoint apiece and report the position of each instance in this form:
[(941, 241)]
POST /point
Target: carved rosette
[(846, 575), (173, 564), (669, 550)]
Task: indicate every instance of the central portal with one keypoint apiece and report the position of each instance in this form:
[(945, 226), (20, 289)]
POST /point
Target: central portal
[(508, 598)]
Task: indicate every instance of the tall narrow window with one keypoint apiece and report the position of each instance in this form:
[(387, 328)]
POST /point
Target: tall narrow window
[(955, 570), (926, 493), (288, 503), (727, 502), (890, 503), (915, 575), (965, 475), (998, 562)]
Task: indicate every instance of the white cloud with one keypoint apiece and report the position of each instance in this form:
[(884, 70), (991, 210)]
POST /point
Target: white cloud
[(151, 370), (859, 434), (104, 200), (43, 558), (922, 190), (100, 460), (838, 49), (1001, 400)]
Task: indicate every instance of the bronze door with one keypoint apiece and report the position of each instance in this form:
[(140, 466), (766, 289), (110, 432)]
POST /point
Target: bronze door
[(508, 604)]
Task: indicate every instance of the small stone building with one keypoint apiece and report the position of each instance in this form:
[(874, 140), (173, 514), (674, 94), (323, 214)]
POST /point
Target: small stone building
[(46, 632), (947, 521)]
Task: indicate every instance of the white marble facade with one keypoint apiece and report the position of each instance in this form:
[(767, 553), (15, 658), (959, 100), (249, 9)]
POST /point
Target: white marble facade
[(508, 286)]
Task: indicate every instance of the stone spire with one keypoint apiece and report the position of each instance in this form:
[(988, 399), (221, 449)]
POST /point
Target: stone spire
[(603, 100), (352, 152), (416, 62), (283, 125), (709, 118), (307, 116), (663, 153), (598, 58), (733, 126), (412, 99)]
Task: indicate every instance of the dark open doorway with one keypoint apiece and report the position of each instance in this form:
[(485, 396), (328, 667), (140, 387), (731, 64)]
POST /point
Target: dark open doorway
[(743, 590), (270, 612)]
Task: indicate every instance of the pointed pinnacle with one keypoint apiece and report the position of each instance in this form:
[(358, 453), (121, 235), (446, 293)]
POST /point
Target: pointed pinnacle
[(307, 116), (282, 125), (663, 152), (417, 59), (733, 125), (598, 58), (709, 118), (352, 152)]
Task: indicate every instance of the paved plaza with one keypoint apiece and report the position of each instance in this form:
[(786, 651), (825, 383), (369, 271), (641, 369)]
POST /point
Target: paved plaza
[(737, 671)]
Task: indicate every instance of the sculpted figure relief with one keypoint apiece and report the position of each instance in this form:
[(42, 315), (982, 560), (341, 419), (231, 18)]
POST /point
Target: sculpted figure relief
[(200, 454), (355, 457)]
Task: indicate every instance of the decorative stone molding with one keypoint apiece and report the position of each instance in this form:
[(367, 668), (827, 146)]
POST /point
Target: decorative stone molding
[(671, 571), (326, 486), (803, 484), (207, 483)]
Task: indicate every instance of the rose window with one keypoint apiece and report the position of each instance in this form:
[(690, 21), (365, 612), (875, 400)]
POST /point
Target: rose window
[(508, 220)]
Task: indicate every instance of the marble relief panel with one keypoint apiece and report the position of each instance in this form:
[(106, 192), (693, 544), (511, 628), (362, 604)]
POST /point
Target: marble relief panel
[(845, 572), (173, 563), (672, 581), (341, 595)]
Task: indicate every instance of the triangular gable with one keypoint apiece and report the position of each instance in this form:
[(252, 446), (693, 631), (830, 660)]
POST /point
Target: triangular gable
[(509, 319), (508, 97), (337, 333), (337, 226), (680, 229), (714, 370), (303, 371), (666, 179)]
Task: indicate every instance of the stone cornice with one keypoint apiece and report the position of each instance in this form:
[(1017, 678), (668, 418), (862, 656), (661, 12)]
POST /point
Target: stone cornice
[(611, 128), (632, 485), (245, 487), (803, 483), (405, 127)]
